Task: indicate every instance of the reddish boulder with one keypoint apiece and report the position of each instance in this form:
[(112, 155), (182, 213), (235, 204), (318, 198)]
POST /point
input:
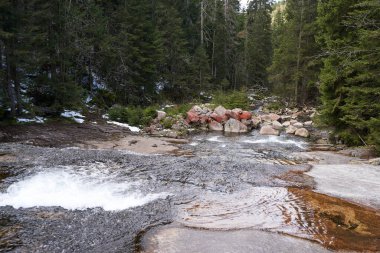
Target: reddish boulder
[(245, 115), (218, 118), (192, 117), (204, 119), (234, 114), (215, 126)]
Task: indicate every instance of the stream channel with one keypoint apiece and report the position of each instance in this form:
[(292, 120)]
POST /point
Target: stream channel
[(246, 193)]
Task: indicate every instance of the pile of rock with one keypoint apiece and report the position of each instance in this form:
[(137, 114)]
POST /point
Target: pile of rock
[(233, 121), (273, 124), (221, 119), (240, 121)]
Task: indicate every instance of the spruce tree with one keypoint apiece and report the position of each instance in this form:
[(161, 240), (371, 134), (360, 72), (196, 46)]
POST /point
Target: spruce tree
[(258, 45), (295, 68), (350, 83)]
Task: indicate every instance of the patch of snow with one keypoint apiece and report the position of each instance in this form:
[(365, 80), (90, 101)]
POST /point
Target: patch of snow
[(105, 116), (76, 116), (88, 99), (35, 120), (131, 128)]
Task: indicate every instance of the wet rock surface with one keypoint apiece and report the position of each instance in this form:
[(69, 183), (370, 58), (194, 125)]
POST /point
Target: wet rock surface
[(249, 186)]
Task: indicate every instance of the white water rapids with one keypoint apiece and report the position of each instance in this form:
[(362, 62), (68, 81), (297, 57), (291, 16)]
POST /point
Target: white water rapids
[(74, 191)]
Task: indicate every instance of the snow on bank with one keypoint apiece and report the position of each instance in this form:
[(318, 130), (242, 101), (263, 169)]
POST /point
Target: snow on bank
[(74, 191), (132, 128), (76, 116), (33, 120)]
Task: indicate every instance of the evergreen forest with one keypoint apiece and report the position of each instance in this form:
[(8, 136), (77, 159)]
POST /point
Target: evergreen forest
[(56, 54)]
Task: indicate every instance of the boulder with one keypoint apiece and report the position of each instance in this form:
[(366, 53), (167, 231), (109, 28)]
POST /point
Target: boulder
[(266, 118), (291, 129), (235, 113), (197, 109), (220, 110), (276, 125), (293, 121), (235, 126), (160, 115), (274, 117), (302, 132), (245, 115), (256, 122), (204, 119), (215, 126), (192, 117), (298, 125), (247, 122), (285, 117), (375, 161), (268, 130), (286, 124), (218, 118), (308, 123)]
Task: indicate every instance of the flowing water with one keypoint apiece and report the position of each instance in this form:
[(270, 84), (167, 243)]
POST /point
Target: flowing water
[(240, 193)]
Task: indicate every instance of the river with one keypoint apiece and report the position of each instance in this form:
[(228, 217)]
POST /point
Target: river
[(246, 193)]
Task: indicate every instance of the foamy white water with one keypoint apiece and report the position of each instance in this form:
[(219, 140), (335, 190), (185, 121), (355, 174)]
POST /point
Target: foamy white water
[(73, 191), (277, 139), (214, 139)]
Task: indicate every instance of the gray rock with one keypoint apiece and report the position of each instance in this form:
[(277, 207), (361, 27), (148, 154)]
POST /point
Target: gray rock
[(291, 129), (269, 130), (235, 126), (215, 126), (220, 110), (308, 123), (256, 122), (302, 132), (160, 115), (276, 125)]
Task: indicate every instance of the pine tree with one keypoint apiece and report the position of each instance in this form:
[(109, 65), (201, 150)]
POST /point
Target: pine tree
[(175, 69), (350, 83), (295, 68), (258, 45)]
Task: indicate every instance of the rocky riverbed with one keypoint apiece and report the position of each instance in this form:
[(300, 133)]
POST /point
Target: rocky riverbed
[(110, 191)]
